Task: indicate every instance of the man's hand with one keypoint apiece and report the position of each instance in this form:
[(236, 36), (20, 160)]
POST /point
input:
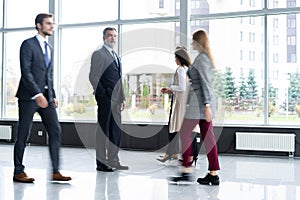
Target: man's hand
[(41, 101), (123, 104), (55, 102)]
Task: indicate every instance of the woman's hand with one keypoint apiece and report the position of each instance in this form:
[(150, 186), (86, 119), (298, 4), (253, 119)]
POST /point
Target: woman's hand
[(163, 90), (166, 90), (207, 113)]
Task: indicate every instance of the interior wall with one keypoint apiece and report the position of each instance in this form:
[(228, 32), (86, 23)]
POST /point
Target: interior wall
[(147, 137)]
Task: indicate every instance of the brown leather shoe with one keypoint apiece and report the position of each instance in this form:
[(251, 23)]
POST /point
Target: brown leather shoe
[(58, 177), (23, 178)]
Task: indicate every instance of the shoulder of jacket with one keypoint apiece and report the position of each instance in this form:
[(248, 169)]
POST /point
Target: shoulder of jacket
[(29, 42), (98, 51)]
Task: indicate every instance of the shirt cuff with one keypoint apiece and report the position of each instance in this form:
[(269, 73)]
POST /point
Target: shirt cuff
[(35, 96)]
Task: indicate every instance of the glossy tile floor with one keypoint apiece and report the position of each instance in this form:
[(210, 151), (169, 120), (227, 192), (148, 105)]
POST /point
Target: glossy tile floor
[(242, 177)]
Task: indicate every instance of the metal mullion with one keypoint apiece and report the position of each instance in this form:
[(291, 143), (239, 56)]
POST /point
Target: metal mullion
[(3, 85), (121, 22), (184, 22), (266, 66)]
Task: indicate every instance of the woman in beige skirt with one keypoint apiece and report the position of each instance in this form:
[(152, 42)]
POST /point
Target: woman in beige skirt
[(178, 91)]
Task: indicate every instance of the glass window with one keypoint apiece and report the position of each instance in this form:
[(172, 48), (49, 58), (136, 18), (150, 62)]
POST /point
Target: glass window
[(275, 57), (251, 37), (88, 11), (76, 99), (291, 40), (291, 22), (252, 3), (16, 17), (252, 20), (209, 7), (1, 92), (275, 4), (275, 23), (282, 4), (240, 91), (241, 54), (275, 40), (12, 69), (138, 9), (284, 105), (148, 65), (161, 4), (251, 55), (1, 15)]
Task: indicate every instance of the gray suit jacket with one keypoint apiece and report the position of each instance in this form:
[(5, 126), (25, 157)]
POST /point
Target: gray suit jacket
[(200, 92), (106, 76), (34, 73)]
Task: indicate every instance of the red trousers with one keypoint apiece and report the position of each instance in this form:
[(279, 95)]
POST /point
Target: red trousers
[(208, 138)]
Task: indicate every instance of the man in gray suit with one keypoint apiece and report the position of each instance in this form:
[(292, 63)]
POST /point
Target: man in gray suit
[(36, 94), (106, 79)]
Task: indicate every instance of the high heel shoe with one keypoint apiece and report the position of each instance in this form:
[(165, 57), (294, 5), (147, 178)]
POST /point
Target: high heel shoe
[(209, 180), (165, 158), (193, 161)]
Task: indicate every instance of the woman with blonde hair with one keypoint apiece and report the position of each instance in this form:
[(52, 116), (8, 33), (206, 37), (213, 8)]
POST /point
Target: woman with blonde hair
[(199, 111)]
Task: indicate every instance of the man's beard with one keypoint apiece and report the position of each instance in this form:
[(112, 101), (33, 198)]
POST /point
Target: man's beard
[(47, 33), (110, 44)]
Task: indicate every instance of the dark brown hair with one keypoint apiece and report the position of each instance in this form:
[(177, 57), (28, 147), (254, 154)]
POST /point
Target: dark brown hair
[(182, 55), (40, 18)]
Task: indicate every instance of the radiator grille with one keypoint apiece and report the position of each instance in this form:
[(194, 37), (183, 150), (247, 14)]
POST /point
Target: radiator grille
[(5, 132), (284, 142)]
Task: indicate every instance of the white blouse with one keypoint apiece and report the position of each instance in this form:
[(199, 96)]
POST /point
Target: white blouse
[(181, 71)]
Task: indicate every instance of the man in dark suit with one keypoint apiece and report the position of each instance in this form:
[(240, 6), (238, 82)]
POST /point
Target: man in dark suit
[(105, 77), (36, 94)]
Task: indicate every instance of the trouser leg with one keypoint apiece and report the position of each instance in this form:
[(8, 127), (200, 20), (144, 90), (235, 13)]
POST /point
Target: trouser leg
[(208, 138)]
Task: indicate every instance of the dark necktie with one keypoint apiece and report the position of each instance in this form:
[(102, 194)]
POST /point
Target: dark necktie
[(115, 57), (47, 60)]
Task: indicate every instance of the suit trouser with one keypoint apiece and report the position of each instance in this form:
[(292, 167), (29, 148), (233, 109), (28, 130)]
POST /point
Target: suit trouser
[(208, 138), (51, 123), (108, 134)]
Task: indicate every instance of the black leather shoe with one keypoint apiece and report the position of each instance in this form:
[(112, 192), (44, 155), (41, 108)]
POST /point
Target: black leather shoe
[(104, 168), (184, 177), (119, 166), (209, 180)]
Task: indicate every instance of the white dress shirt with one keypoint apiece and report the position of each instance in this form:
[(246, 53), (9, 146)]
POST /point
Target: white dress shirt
[(42, 44)]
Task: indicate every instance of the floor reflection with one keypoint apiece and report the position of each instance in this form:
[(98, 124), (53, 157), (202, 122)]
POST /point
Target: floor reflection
[(241, 178)]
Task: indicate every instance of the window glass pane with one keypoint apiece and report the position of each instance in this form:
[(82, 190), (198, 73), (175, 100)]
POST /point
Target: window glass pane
[(137, 9), (88, 11), (282, 4), (238, 79), (16, 17), (148, 65), (284, 89), (215, 6), (1, 92), (77, 100), (1, 15), (13, 72)]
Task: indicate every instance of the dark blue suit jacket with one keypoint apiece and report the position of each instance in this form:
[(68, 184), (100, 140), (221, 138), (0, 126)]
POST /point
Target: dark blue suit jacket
[(34, 73)]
